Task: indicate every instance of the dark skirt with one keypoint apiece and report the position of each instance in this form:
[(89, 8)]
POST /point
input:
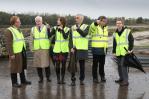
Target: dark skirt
[(82, 54), (60, 57)]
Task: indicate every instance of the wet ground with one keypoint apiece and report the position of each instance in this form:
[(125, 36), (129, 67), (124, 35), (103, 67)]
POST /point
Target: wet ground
[(138, 88)]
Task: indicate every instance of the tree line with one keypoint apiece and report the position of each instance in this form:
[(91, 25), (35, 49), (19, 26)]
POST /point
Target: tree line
[(28, 19)]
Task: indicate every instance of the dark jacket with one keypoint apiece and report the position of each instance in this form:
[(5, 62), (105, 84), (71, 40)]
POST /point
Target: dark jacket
[(53, 32)]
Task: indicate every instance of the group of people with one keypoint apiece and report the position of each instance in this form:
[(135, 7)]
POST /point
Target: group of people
[(60, 41)]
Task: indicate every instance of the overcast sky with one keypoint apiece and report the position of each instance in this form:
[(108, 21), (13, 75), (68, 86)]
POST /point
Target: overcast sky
[(91, 8)]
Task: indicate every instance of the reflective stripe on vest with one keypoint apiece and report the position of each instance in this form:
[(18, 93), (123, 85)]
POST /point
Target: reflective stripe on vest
[(105, 41), (121, 42), (18, 40), (61, 44), (61, 41), (100, 35), (41, 40), (78, 41)]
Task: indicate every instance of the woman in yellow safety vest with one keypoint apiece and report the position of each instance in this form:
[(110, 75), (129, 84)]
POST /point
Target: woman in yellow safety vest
[(60, 48)]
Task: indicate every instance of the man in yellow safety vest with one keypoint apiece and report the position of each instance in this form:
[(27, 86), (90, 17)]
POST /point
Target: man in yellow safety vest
[(79, 45), (99, 43), (40, 45), (122, 38), (16, 47)]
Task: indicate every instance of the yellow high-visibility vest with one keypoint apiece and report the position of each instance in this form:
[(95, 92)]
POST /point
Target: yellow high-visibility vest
[(121, 42), (99, 36), (79, 42), (41, 40), (61, 44), (18, 40)]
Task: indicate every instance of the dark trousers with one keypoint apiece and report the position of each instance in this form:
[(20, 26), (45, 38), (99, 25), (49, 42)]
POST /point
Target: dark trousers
[(98, 60), (40, 72), (122, 70), (22, 74), (82, 71), (14, 77)]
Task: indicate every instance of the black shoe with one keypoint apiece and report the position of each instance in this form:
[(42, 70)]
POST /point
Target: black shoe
[(123, 83), (58, 82), (118, 81), (62, 82), (27, 83), (95, 81), (40, 80), (103, 79), (16, 85), (73, 83), (48, 80), (81, 83)]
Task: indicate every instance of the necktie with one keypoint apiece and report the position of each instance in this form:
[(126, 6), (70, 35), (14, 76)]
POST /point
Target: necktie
[(39, 29)]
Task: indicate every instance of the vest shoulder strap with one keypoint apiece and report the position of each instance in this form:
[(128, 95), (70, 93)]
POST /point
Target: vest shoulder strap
[(73, 27), (84, 26), (66, 29), (55, 27)]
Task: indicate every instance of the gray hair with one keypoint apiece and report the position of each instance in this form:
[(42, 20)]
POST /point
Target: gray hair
[(38, 18), (82, 16)]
